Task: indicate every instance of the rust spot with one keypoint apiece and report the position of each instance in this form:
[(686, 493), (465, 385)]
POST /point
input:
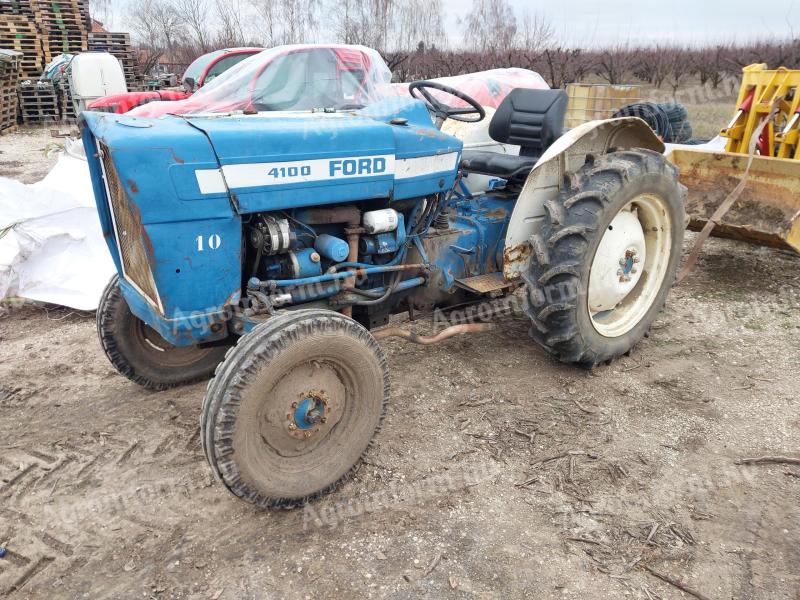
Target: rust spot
[(519, 253), (133, 187), (497, 213), (149, 245), (177, 158)]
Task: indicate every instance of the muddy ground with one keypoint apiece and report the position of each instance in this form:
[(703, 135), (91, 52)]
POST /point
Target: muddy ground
[(499, 473)]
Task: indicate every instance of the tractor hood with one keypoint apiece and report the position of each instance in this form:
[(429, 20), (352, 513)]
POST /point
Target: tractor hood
[(277, 161)]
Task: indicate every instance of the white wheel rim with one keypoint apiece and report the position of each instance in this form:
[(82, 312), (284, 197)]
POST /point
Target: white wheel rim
[(629, 266)]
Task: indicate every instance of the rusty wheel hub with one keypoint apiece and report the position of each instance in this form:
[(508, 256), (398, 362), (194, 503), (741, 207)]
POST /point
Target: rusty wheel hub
[(308, 414)]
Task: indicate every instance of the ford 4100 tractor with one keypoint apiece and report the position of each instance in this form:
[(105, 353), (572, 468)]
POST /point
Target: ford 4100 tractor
[(262, 246)]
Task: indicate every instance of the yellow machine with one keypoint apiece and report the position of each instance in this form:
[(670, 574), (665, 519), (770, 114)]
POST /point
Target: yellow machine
[(762, 147)]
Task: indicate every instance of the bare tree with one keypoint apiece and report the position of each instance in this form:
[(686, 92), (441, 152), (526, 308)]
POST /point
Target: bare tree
[(564, 65), (194, 14), (355, 22), (651, 64), (490, 26), (231, 29), (156, 25), (535, 34), (615, 63), (418, 23), (299, 20), (101, 10), (267, 11), (679, 70)]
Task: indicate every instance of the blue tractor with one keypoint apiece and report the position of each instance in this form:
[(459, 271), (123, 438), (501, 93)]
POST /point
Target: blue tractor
[(262, 246)]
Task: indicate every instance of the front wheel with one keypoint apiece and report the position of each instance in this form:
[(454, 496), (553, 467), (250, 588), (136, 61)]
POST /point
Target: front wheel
[(293, 407), (605, 256), (139, 352)]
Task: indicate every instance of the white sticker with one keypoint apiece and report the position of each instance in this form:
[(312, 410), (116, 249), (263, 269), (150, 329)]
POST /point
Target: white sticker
[(251, 175)]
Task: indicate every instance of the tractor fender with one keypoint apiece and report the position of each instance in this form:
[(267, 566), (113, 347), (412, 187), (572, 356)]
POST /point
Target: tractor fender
[(568, 153)]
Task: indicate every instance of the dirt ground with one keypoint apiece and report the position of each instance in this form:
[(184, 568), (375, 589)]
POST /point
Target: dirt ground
[(499, 473), (28, 154)]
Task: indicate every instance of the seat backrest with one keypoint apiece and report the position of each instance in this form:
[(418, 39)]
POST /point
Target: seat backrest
[(531, 119)]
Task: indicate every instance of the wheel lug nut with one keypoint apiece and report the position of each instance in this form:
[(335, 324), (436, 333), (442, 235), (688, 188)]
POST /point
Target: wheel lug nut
[(620, 272), (294, 404), (636, 259), (292, 426), (307, 434), (621, 262), (323, 420)]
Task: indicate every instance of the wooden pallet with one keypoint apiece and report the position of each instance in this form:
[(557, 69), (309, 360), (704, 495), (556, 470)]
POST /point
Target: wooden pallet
[(18, 32), (107, 37), (16, 7), (64, 15), (65, 107), (54, 45), (119, 44), (9, 105), (9, 71), (17, 26), (38, 103)]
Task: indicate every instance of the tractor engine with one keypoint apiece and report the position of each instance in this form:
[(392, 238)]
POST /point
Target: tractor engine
[(308, 243), (423, 249)]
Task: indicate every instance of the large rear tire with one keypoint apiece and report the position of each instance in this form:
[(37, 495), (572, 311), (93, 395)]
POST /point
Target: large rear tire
[(606, 256), (293, 407), (139, 353)]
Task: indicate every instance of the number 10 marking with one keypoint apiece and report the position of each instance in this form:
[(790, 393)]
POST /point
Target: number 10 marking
[(214, 242)]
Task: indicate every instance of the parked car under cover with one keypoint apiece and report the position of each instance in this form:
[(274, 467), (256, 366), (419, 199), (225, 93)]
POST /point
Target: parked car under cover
[(203, 70)]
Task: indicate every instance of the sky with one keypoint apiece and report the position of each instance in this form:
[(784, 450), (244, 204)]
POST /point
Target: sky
[(606, 22), (593, 23)]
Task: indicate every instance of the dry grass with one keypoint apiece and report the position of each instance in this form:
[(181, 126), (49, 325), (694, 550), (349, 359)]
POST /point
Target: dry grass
[(707, 119)]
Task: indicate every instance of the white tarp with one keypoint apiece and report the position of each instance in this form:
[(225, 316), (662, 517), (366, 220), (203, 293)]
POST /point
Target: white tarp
[(51, 244)]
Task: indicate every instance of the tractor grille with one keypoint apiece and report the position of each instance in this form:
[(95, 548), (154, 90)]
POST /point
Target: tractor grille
[(129, 231)]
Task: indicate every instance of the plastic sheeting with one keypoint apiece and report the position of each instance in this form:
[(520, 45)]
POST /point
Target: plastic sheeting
[(297, 77), (306, 77), (489, 88), (51, 244)]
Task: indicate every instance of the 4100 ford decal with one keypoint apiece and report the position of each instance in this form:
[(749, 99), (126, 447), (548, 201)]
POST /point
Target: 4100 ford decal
[(211, 181)]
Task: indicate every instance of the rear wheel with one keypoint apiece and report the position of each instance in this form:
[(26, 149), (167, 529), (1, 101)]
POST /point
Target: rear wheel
[(293, 407), (140, 353), (606, 256)]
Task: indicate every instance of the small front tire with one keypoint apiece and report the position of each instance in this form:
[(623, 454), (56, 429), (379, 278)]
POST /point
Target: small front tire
[(293, 407)]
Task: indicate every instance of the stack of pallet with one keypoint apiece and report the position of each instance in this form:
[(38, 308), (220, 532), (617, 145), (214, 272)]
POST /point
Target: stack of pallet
[(18, 32), (9, 78), (38, 102), (16, 7), (64, 26), (65, 106), (119, 44)]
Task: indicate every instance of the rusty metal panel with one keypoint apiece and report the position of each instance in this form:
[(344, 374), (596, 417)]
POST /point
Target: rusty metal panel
[(484, 284), (768, 211)]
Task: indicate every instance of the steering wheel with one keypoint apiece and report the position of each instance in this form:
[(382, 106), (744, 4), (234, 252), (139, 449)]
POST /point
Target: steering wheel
[(440, 110)]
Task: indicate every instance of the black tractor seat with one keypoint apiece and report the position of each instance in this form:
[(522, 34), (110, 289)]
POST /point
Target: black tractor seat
[(504, 166), (530, 119)]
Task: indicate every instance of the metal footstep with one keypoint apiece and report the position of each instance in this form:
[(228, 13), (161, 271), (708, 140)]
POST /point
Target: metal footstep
[(485, 284)]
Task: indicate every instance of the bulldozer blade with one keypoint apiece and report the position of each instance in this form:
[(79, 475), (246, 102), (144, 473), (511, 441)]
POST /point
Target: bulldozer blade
[(767, 212)]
